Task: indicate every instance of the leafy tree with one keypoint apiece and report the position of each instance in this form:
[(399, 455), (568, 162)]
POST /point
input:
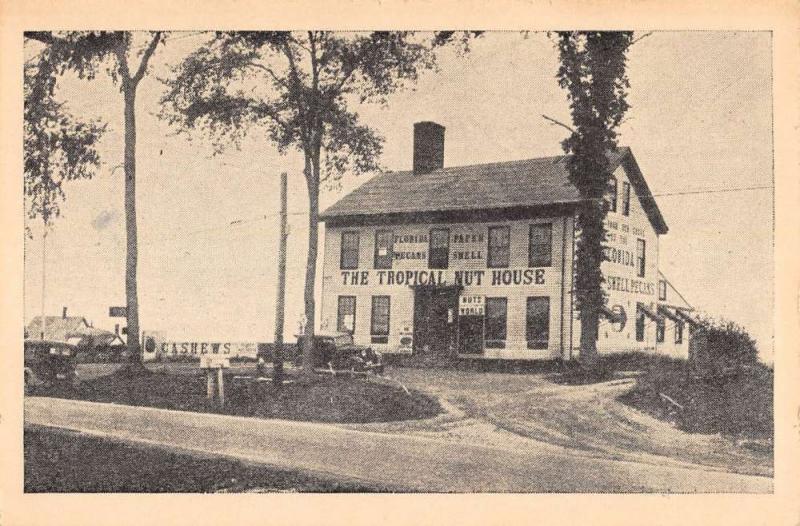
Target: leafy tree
[(57, 147), (592, 71), (299, 89), (88, 53)]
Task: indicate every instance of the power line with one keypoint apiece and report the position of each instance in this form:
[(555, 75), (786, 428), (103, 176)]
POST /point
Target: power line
[(715, 190), (185, 233)]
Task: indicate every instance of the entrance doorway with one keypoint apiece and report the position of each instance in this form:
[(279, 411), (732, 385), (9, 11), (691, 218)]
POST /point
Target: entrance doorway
[(435, 320), (470, 334)]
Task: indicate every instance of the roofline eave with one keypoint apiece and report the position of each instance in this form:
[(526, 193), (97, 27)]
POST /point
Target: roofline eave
[(467, 215)]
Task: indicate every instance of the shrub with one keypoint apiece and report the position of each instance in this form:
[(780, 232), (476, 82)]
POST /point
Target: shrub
[(721, 389), (717, 347)]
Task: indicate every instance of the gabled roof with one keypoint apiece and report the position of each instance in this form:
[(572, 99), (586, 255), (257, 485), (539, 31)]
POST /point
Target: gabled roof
[(100, 338), (529, 183), (674, 298), (58, 328)]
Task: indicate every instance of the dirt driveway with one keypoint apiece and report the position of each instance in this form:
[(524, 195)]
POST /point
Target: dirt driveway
[(528, 411)]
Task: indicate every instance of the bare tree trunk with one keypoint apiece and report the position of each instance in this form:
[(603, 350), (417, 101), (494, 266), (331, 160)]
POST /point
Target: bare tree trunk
[(131, 293), (312, 180)]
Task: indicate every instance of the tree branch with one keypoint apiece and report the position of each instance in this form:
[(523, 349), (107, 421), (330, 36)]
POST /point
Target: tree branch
[(298, 88), (641, 37), (268, 70), (45, 37), (559, 123), (151, 48), (266, 110), (122, 58)]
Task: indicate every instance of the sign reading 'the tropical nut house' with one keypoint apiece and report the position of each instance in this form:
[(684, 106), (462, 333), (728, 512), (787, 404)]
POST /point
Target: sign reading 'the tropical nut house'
[(477, 278)]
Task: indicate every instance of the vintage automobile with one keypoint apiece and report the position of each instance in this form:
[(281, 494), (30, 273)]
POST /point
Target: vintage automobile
[(50, 363), (336, 351)]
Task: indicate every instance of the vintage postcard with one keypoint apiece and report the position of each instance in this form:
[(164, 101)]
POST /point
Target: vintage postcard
[(399, 263)]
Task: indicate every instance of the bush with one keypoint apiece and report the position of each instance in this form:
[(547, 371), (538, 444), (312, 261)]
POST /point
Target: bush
[(719, 346), (721, 388), (291, 352)]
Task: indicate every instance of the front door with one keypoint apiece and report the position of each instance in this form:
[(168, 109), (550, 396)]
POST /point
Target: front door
[(470, 334), (435, 319)]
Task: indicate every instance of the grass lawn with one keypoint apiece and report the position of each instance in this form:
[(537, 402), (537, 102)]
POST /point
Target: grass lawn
[(58, 461), (738, 404), (323, 399)]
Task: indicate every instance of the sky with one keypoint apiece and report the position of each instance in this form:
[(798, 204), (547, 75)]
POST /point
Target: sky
[(700, 127)]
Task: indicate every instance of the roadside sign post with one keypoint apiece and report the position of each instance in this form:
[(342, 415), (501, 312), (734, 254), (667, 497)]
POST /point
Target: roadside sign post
[(210, 384), (220, 387), (214, 365), (117, 312)]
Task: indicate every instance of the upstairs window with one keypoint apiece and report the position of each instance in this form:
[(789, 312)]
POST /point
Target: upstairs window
[(349, 255), (626, 198), (439, 248), (495, 327), (499, 246), (641, 263), (384, 248), (612, 194), (379, 326), (540, 245), (662, 290), (537, 327)]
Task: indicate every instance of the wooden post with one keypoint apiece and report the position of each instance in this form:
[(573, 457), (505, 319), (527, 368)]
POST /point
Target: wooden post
[(277, 369), (220, 387), (210, 384)]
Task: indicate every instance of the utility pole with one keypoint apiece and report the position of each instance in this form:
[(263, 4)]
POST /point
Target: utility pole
[(277, 369), (44, 268)]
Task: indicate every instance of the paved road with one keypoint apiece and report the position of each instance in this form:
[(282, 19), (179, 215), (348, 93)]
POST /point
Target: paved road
[(397, 461)]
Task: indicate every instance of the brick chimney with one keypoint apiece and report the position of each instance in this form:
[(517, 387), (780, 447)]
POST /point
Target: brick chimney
[(428, 147), (64, 313)]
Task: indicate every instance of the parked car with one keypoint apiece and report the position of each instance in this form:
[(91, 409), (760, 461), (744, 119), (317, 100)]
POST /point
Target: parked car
[(49, 363), (336, 350), (104, 354)]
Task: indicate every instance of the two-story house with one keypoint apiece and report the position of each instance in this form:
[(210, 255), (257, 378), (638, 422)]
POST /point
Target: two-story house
[(478, 261)]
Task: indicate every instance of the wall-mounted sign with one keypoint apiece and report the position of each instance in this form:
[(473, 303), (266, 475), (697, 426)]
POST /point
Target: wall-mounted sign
[(348, 322), (406, 338), (620, 257), (620, 318), (490, 277), (211, 361), (471, 305), (118, 312), (633, 286), (230, 349)]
